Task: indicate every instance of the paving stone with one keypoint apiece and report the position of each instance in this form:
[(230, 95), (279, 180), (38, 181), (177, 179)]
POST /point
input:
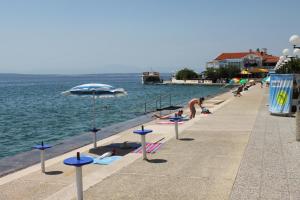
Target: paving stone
[(270, 160), (274, 195), (244, 193), (294, 195)]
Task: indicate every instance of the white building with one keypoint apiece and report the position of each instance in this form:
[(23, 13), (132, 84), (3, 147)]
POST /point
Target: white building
[(245, 60)]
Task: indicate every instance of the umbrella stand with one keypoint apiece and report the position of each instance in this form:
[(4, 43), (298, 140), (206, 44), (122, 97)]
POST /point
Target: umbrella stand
[(78, 162)]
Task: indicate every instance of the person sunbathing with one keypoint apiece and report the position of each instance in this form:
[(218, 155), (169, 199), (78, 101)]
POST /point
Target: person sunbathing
[(179, 114), (205, 111), (237, 93)]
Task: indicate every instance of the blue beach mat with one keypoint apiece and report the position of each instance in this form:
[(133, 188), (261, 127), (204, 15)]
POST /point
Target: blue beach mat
[(104, 161), (107, 160)]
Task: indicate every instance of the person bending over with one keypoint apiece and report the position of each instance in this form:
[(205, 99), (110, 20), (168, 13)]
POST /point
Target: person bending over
[(192, 104)]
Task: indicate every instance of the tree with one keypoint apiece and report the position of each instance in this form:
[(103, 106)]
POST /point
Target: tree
[(233, 71), (186, 74), (212, 73), (292, 67), (223, 72)]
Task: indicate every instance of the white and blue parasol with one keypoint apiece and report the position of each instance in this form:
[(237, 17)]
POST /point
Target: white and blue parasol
[(95, 90)]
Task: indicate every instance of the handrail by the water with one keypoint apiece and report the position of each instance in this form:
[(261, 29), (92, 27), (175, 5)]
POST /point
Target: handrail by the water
[(158, 102)]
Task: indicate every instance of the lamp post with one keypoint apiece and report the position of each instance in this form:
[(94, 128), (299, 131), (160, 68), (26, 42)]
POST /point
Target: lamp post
[(286, 52), (296, 52), (295, 41)]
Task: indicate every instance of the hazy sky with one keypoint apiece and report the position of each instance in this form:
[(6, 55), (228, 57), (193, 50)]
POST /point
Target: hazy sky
[(67, 37)]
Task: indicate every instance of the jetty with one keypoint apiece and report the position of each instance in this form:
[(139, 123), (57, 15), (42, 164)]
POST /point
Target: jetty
[(238, 152), (187, 82)]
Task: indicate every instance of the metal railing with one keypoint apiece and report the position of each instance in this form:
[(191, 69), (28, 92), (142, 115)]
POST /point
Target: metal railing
[(159, 102)]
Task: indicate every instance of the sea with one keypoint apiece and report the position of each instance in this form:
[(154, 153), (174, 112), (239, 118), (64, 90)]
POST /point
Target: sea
[(32, 108)]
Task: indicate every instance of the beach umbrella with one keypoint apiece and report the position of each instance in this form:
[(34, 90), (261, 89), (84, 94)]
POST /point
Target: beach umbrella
[(234, 80), (258, 70), (95, 90), (243, 81), (245, 72)]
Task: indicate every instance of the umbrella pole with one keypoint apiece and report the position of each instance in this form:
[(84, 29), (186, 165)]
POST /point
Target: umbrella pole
[(94, 115), (94, 122)]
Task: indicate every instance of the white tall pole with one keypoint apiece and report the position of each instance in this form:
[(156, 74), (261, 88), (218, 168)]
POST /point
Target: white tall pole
[(42, 160), (94, 112), (95, 139), (79, 183), (78, 162), (144, 147), (94, 121), (298, 125), (176, 129)]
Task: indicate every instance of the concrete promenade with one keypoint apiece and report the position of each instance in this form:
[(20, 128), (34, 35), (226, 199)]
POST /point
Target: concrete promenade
[(238, 152), (203, 165), (270, 168)]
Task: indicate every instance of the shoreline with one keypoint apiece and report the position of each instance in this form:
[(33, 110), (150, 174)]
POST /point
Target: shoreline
[(15, 163)]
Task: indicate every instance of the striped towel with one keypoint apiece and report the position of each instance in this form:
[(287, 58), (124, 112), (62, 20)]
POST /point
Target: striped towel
[(150, 148)]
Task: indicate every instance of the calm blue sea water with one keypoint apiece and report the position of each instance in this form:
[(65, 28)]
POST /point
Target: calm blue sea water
[(32, 108)]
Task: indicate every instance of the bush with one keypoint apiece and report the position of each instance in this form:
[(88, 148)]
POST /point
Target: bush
[(186, 74)]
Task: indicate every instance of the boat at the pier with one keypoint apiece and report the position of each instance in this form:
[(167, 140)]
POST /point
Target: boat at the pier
[(151, 78)]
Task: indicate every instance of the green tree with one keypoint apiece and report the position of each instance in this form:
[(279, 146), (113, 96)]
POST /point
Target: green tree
[(227, 72), (293, 66), (233, 71), (186, 74), (212, 73), (222, 72)]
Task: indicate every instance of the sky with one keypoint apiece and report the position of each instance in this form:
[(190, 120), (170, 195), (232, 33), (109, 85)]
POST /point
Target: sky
[(125, 36)]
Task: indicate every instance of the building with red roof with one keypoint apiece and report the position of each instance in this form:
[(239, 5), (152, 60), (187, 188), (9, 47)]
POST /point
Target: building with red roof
[(245, 60)]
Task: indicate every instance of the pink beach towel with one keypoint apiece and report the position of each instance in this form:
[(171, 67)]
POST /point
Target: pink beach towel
[(168, 122), (150, 148)]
